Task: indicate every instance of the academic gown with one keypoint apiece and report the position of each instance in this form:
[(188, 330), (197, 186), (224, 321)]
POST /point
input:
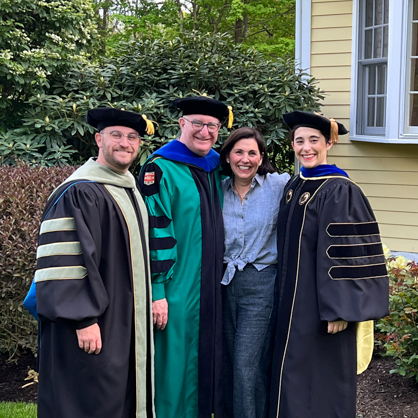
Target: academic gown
[(331, 267), (181, 191), (92, 267)]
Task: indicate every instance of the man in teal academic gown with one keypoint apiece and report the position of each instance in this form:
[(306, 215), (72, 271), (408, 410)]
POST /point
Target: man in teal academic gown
[(180, 184)]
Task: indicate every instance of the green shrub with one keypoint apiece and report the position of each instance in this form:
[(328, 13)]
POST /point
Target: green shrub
[(24, 192), (146, 76), (39, 40), (398, 332)]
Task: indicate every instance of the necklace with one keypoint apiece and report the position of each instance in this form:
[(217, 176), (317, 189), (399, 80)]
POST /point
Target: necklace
[(241, 195)]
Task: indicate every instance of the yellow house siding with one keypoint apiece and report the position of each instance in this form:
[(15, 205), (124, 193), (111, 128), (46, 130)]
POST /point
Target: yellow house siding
[(379, 177), (408, 166), (331, 47), (387, 173), (330, 60), (330, 34), (328, 73), (337, 98), (387, 217)]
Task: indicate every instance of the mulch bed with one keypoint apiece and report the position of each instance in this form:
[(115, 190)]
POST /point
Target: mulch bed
[(379, 393), (384, 395), (12, 378)]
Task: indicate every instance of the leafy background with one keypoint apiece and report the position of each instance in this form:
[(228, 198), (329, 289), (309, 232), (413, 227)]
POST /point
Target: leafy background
[(60, 58)]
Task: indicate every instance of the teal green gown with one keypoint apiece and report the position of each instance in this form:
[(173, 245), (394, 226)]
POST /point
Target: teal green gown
[(183, 196)]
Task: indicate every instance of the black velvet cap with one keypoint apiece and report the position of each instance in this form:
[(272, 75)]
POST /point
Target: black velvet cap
[(203, 105), (298, 119), (102, 117)]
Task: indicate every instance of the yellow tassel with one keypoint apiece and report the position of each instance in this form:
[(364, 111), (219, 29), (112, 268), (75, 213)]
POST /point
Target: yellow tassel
[(230, 117), (334, 131), (333, 135), (150, 126)]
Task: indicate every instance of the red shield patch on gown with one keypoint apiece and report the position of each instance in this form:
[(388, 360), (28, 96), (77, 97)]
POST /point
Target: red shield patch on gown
[(149, 178)]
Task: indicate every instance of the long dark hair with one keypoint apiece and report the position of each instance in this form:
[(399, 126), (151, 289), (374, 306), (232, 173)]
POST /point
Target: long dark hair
[(246, 133)]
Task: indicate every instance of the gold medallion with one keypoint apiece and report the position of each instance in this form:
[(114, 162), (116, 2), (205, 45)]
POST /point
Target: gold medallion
[(289, 196), (304, 198)]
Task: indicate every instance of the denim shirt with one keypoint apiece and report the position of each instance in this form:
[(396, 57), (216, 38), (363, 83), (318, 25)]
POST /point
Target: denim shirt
[(251, 227)]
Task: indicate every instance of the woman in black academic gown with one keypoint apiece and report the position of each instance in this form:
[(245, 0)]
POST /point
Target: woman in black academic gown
[(331, 275)]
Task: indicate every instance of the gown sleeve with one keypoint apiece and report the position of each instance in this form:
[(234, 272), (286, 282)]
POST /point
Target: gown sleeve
[(163, 243), (69, 285), (352, 281)]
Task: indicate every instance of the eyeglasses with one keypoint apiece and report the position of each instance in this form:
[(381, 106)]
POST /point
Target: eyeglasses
[(118, 136), (198, 125)]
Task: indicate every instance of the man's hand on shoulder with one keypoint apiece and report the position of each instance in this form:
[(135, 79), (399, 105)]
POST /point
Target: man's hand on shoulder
[(89, 339), (160, 313)]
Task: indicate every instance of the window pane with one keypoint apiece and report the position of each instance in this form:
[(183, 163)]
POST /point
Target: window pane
[(385, 40), (415, 12), (372, 86), (414, 74), (414, 40), (371, 79), (377, 50), (368, 43), (378, 15), (380, 112), (386, 11), (370, 111), (381, 79), (413, 117), (369, 13)]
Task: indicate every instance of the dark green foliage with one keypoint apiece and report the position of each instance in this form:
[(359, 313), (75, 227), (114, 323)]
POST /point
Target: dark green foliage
[(23, 195), (146, 76), (39, 40), (398, 332)]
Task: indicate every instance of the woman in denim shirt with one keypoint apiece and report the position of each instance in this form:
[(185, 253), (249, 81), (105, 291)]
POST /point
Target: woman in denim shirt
[(252, 197)]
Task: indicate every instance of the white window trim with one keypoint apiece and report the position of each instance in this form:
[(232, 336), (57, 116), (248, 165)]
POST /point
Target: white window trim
[(409, 131), (303, 35), (303, 43), (397, 65)]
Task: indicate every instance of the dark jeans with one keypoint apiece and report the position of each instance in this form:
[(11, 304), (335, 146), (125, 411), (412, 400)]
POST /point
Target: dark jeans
[(248, 322)]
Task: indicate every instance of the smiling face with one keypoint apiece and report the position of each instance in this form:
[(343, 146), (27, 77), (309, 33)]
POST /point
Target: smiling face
[(117, 155), (310, 147), (198, 141), (245, 158)]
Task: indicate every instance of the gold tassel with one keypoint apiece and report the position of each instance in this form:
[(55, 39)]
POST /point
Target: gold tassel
[(334, 131), (201, 94), (230, 117), (333, 134), (150, 126)]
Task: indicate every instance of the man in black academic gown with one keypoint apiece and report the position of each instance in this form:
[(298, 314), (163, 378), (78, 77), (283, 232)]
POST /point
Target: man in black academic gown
[(93, 284)]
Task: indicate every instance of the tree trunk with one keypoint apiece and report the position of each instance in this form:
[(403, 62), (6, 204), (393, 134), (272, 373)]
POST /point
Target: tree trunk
[(239, 28), (181, 16), (195, 13)]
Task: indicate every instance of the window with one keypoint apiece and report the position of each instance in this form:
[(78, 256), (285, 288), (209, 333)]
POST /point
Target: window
[(372, 66), (384, 98), (411, 122)]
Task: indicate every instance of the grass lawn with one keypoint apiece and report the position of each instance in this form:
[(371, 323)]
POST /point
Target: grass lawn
[(17, 410)]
